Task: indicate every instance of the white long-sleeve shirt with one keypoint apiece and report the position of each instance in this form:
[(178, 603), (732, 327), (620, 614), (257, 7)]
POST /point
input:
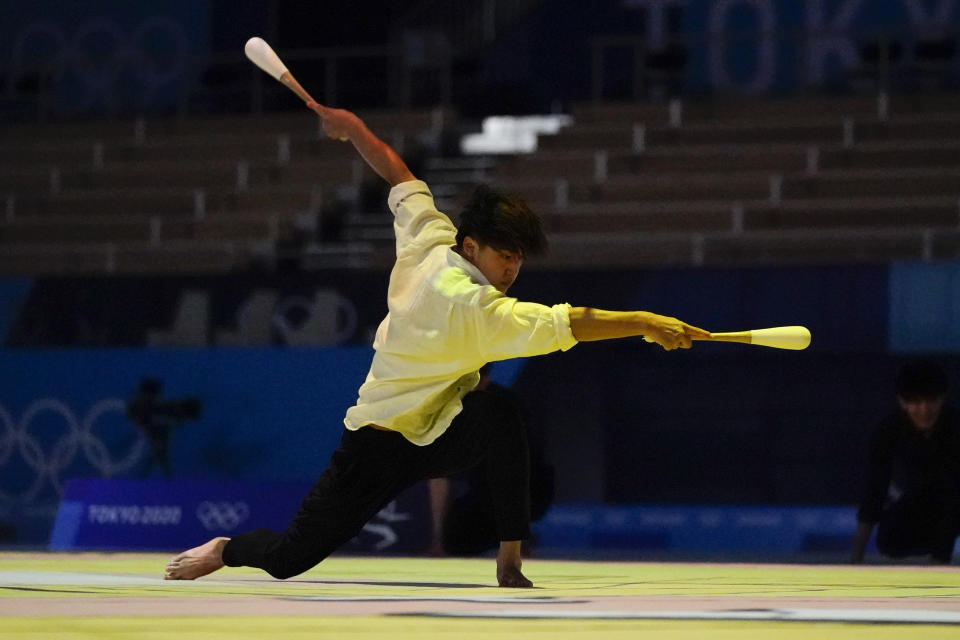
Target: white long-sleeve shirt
[(444, 322)]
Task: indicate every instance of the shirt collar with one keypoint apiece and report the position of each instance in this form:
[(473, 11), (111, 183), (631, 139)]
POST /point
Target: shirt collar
[(454, 259)]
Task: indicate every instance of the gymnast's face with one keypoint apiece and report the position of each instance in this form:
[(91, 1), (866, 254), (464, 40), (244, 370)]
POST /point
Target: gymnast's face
[(923, 412), (499, 266)]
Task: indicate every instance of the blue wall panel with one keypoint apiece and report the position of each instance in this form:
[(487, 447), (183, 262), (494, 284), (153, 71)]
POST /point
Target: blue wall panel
[(623, 422), (273, 414), (268, 413), (925, 307)]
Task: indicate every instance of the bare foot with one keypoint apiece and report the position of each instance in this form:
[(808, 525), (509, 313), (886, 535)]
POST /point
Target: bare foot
[(511, 577), (196, 562), (508, 565)]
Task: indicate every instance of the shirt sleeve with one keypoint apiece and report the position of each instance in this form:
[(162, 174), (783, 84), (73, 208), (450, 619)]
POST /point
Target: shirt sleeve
[(416, 222), (509, 328), (879, 465)]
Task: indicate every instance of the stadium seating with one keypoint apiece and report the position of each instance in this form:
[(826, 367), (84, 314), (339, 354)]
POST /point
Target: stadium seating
[(722, 181), (749, 181), (173, 196)]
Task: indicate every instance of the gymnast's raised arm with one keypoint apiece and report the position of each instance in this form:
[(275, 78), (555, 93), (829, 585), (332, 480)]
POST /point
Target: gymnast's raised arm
[(345, 125)]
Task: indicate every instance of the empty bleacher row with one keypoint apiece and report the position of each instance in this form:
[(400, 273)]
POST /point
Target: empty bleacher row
[(712, 182), (176, 196), (812, 180)]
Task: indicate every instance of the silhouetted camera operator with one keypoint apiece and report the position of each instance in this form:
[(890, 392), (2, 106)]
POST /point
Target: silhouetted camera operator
[(157, 418)]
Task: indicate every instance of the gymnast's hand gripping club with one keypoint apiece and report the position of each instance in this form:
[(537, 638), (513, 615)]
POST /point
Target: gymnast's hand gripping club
[(794, 338), (262, 54)]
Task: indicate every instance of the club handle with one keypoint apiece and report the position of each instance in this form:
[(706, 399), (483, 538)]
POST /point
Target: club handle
[(730, 336), (291, 83), (744, 337)]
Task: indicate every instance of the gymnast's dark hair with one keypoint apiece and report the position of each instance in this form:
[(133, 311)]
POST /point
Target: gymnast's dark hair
[(921, 379), (502, 222)]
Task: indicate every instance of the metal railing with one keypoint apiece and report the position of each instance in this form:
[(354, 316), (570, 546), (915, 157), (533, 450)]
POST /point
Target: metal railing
[(467, 25), (415, 69), (363, 76)]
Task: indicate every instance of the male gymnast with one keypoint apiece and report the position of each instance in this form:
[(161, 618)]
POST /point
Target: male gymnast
[(448, 315)]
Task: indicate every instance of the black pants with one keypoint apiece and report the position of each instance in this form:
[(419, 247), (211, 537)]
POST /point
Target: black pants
[(372, 466), (919, 524), (471, 525)]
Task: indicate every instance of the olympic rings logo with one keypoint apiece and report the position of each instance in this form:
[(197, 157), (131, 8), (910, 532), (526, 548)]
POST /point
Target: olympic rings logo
[(97, 59), (225, 516), (328, 319), (78, 442)]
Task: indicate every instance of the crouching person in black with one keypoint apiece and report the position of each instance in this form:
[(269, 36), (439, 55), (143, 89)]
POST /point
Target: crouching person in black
[(912, 489)]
